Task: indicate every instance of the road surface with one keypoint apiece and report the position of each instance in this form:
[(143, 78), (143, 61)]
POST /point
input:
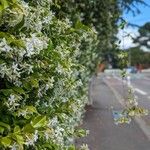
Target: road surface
[(104, 134)]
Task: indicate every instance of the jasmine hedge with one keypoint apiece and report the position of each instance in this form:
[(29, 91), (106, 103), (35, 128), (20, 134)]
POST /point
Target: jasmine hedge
[(43, 76)]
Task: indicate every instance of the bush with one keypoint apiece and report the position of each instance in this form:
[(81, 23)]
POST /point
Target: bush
[(43, 76)]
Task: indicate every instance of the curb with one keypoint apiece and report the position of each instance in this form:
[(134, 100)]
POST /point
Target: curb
[(142, 124)]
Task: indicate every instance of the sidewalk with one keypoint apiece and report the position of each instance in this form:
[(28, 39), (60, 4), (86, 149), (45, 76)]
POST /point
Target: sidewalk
[(104, 134)]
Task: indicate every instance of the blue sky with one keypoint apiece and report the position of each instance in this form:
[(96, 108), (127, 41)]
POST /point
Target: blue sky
[(139, 19)]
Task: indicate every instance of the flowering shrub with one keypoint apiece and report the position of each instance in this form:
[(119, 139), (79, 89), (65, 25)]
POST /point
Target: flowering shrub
[(43, 75)]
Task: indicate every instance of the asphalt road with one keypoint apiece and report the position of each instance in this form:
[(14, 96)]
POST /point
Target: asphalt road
[(104, 134), (141, 86)]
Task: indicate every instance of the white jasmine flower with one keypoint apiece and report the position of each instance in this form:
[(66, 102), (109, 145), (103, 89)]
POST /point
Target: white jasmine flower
[(84, 147), (46, 104), (31, 139), (18, 83), (4, 70), (22, 53), (35, 137), (46, 135), (13, 102), (30, 69), (49, 83), (46, 87), (11, 99), (48, 18), (29, 142), (15, 67), (4, 46), (40, 93), (53, 122), (23, 113), (14, 147), (59, 69)]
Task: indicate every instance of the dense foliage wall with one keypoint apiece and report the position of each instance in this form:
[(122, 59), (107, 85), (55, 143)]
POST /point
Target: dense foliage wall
[(42, 79), (100, 15)]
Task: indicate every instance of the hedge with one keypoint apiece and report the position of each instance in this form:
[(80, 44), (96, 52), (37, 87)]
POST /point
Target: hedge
[(44, 71)]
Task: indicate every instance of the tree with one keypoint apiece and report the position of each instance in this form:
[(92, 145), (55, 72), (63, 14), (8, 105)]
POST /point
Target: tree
[(144, 37), (101, 15), (138, 56)]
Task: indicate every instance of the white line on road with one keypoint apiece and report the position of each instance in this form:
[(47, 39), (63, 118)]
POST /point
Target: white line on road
[(146, 78), (136, 89), (140, 91)]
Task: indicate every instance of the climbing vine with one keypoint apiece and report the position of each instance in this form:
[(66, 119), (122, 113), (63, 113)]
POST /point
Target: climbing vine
[(42, 97)]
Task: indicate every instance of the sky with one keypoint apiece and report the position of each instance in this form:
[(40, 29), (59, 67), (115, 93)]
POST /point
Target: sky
[(138, 19)]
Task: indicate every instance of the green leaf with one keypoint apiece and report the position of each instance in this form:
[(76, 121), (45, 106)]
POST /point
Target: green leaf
[(47, 145), (1, 9), (28, 128), (72, 147), (80, 132), (26, 85), (34, 83), (4, 4), (2, 129), (18, 90), (19, 139), (17, 129), (14, 1), (6, 141), (39, 121), (80, 26), (2, 61), (5, 125), (6, 92), (122, 25), (31, 109), (12, 39), (50, 45)]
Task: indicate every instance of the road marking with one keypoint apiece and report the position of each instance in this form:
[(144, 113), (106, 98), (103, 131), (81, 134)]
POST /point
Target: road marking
[(140, 91), (146, 78), (128, 83)]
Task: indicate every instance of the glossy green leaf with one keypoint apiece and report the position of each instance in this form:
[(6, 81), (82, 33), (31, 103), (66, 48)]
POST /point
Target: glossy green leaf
[(6, 141), (7, 126), (19, 138), (6, 92), (2, 61), (34, 83), (19, 90), (12, 39), (28, 128), (17, 129), (31, 109), (4, 4), (39, 121), (72, 147)]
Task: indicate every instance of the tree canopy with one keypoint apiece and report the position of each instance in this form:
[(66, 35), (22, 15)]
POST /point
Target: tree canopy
[(144, 36)]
